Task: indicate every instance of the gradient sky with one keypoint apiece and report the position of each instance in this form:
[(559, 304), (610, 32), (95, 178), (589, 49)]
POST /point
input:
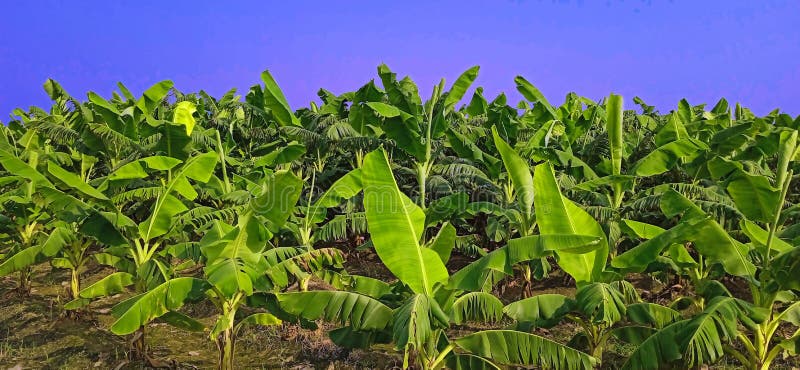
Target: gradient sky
[(662, 51)]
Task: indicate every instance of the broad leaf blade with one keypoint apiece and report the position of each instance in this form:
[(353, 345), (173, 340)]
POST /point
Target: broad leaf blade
[(555, 214), (519, 171), (396, 225)]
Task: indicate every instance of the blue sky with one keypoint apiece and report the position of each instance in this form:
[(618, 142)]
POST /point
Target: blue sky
[(662, 51)]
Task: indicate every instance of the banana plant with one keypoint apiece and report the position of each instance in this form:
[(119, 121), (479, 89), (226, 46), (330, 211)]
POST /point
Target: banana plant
[(64, 204), (601, 310), (769, 275), (37, 208), (717, 251), (25, 228), (761, 199), (418, 324), (79, 231), (236, 265), (414, 126), (539, 194), (673, 146), (27, 215), (345, 188), (136, 258)]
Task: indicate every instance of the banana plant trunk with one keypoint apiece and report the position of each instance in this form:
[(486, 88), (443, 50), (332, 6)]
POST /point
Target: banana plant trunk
[(25, 280), (139, 346), (527, 274), (75, 284), (423, 170), (597, 353), (225, 344)]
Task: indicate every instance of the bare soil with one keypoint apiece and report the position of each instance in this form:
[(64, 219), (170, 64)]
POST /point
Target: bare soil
[(35, 333)]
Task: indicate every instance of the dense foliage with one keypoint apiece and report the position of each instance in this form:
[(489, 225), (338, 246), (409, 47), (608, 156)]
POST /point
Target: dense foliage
[(244, 203)]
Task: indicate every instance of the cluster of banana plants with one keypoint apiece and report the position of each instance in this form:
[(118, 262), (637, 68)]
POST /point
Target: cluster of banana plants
[(253, 208)]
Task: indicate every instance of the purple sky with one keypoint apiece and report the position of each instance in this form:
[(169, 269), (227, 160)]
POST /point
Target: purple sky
[(662, 51)]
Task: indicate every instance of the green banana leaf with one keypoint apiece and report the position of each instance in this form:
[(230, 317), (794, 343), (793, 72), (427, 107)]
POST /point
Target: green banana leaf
[(360, 311), (396, 225), (516, 348), (139, 310), (555, 214)]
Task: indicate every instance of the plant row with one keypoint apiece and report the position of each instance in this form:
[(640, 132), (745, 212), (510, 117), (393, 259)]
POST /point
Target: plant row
[(245, 203)]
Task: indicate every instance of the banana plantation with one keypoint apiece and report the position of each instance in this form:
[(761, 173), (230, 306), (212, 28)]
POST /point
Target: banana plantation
[(455, 231)]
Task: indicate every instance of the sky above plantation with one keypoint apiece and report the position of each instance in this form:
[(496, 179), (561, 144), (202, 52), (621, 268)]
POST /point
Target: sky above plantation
[(743, 50)]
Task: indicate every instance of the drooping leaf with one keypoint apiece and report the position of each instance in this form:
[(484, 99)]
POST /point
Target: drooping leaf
[(446, 207), (105, 227), (347, 337), (468, 361), (109, 285), (640, 229), (601, 303), (642, 255), (166, 297), (515, 348), (236, 263), (707, 236), (280, 155), (543, 310), (694, 341), (278, 199), (760, 236), (14, 165), (74, 181), (659, 349), (612, 181), (754, 196), (261, 318), (652, 314), (414, 322), (20, 260), (303, 264), (128, 171), (665, 157), (360, 311), (198, 168), (784, 271), (444, 242), (489, 269), (477, 307), (344, 188), (402, 94), (365, 285), (383, 109), (153, 96), (181, 321), (673, 130), (160, 221), (635, 335)]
